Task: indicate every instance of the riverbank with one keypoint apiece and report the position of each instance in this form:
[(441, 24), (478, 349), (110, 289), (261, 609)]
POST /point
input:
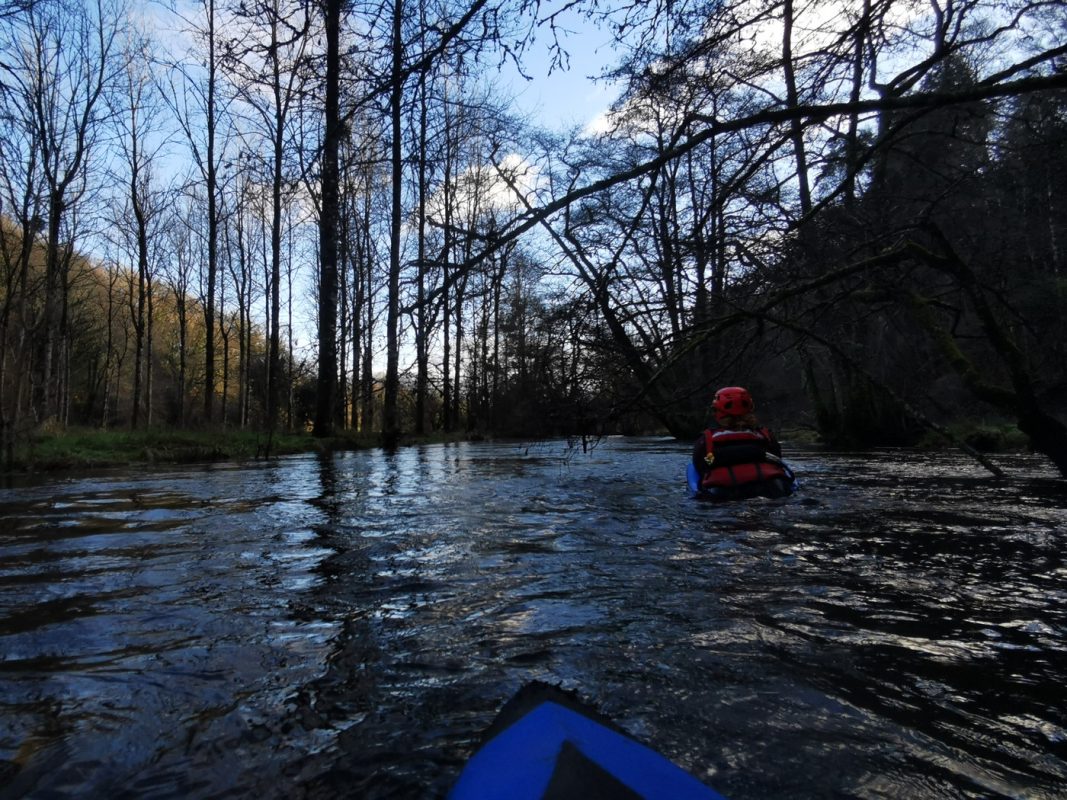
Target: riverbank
[(88, 448), (93, 448)]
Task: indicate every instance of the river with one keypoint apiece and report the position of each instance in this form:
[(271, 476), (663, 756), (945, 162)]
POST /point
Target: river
[(346, 625)]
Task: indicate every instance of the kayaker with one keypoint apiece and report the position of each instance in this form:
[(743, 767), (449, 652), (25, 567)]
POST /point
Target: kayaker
[(738, 454)]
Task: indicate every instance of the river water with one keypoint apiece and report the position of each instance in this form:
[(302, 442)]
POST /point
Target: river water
[(345, 626)]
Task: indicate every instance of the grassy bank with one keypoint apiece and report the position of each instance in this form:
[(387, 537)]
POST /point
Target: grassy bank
[(87, 448), (985, 436)]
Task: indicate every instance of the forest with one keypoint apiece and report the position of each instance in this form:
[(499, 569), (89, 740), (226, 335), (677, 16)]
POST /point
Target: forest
[(331, 216)]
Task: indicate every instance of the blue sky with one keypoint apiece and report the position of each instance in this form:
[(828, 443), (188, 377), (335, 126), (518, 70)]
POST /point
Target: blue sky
[(568, 97)]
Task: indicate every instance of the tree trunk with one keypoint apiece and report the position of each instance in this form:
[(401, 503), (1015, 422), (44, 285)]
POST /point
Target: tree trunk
[(274, 358), (212, 224), (149, 330), (328, 226), (390, 418), (421, 316), (792, 101)]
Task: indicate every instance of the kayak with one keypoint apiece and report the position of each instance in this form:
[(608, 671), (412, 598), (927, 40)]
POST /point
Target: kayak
[(545, 744), (764, 489)]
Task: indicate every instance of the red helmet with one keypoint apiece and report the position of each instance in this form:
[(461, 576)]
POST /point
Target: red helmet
[(732, 401)]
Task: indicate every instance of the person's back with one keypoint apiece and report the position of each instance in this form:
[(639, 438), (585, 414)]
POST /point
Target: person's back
[(739, 456)]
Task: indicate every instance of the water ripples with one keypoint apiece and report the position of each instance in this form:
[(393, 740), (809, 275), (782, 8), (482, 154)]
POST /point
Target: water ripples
[(345, 626)]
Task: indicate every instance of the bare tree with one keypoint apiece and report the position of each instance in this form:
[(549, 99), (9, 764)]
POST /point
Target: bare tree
[(22, 205), (184, 237), (267, 65), (141, 141), (66, 64), (329, 224), (193, 94)]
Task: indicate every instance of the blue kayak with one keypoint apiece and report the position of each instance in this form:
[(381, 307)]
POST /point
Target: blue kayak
[(765, 489), (546, 745)]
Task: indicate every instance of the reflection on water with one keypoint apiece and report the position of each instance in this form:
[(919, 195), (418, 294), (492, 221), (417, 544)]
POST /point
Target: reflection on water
[(345, 626)]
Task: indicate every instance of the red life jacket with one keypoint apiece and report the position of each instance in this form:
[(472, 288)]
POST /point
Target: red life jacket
[(740, 457)]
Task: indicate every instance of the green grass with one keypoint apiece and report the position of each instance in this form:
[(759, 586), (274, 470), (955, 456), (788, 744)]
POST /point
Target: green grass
[(799, 435), (983, 435), (84, 447)]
